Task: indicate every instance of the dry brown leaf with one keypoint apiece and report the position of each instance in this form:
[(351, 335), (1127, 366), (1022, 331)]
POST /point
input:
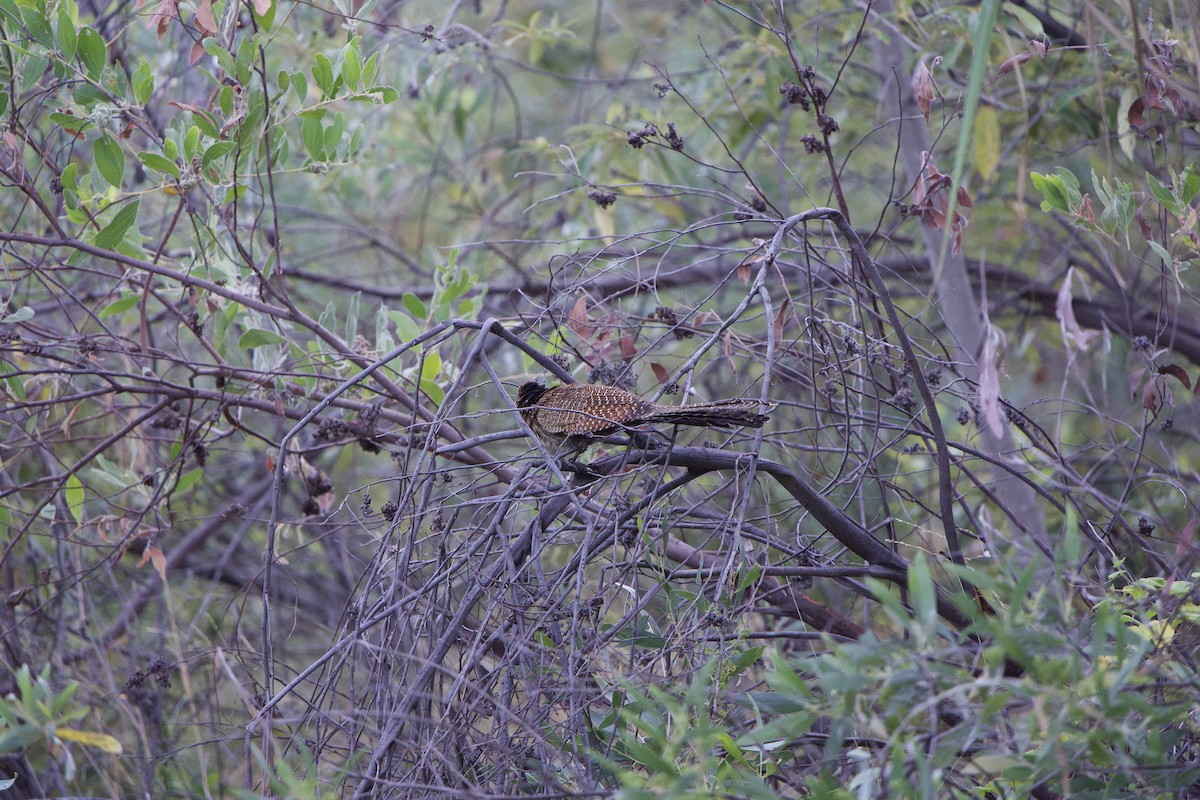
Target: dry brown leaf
[(164, 12), (1074, 336), (1012, 63), (781, 318), (157, 558), (922, 86), (1177, 372), (1150, 397), (660, 372)]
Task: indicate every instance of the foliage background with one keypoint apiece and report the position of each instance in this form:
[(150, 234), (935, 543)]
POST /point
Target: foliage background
[(272, 527)]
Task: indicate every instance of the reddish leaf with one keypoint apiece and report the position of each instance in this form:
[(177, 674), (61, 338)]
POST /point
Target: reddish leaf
[(1136, 109), (578, 319), (781, 318), (1150, 397), (743, 272), (1143, 226), (1153, 95), (160, 19), (660, 372), (628, 348), (1086, 212), (1176, 371), (204, 18)]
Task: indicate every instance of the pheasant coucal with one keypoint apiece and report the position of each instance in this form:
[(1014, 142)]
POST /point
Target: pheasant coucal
[(566, 417)]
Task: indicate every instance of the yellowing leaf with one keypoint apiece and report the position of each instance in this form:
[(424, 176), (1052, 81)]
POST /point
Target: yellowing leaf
[(75, 496), (987, 141), (92, 739)]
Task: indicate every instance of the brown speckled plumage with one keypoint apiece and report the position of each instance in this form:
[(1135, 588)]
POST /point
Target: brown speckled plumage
[(573, 413)]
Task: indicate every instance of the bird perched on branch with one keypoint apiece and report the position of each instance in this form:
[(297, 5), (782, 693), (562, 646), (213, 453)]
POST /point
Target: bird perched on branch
[(567, 417)]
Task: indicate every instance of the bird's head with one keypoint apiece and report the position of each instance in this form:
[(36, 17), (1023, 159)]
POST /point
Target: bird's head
[(529, 394)]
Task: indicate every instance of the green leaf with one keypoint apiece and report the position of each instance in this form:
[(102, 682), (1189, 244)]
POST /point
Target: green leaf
[(1188, 183), (159, 164), (1162, 193), (415, 306), (20, 315), (217, 150), (351, 67), (431, 366), (74, 493), (111, 234), (143, 83), (191, 143), (67, 40), (206, 125), (258, 337), (386, 93), (300, 85), (92, 51), (119, 306), (352, 317), (69, 122), (1053, 192), (435, 392), (188, 480), (1161, 252), (322, 73), (38, 25), (987, 141), (328, 318), (18, 738), (110, 160), (35, 68), (406, 328), (313, 136), (333, 134), (921, 593), (223, 56), (68, 177)]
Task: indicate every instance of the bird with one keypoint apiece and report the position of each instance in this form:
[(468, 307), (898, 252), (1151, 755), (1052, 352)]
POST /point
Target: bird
[(566, 418)]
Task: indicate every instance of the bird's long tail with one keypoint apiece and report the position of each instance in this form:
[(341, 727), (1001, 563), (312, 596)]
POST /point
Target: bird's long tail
[(722, 414)]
